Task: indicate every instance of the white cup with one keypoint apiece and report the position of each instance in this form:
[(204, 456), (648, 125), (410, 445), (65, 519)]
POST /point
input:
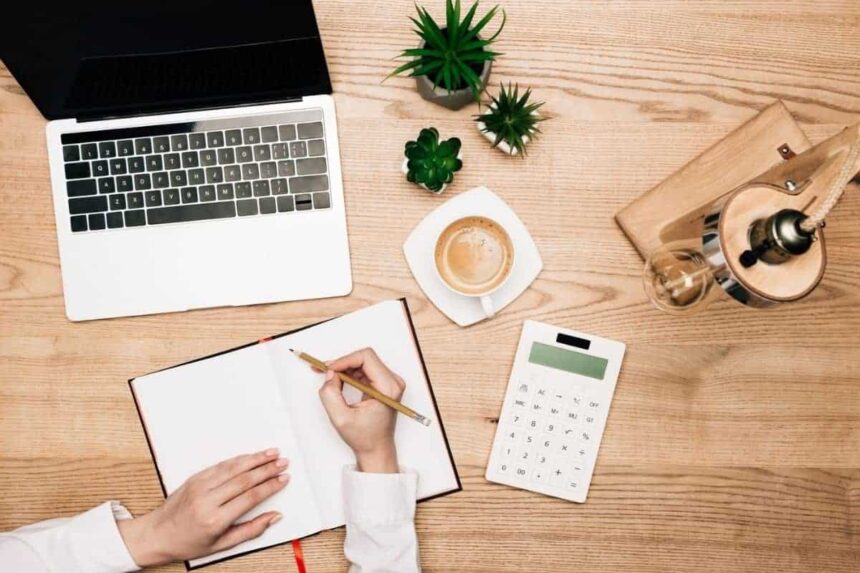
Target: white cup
[(486, 302)]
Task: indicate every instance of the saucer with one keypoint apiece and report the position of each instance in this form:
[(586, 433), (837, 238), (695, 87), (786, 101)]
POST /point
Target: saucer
[(420, 244)]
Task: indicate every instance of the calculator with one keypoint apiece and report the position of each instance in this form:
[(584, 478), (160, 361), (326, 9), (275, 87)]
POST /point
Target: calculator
[(554, 411)]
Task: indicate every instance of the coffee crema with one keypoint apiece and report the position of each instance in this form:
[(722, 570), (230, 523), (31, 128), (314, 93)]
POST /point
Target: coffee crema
[(474, 255)]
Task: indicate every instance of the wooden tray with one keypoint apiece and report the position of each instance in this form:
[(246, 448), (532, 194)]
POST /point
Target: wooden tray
[(675, 209)]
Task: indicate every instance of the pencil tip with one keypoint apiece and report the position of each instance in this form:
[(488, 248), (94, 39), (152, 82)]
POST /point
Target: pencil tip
[(293, 351)]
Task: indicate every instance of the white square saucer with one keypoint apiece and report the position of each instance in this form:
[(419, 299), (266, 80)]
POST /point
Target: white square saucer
[(420, 244)]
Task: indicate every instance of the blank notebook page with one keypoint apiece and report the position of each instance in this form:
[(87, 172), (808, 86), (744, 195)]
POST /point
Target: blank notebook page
[(384, 327)]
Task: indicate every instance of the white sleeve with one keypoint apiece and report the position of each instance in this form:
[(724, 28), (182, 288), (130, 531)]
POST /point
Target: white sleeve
[(380, 522), (86, 543)]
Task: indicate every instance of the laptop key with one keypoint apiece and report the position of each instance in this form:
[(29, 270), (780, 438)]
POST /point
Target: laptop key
[(77, 170), (285, 204), (207, 193), (96, 222), (71, 153), (268, 170), (225, 191), (244, 154), (280, 151), (179, 142), (154, 163), (269, 134), (142, 181), (313, 166), (106, 185), (135, 200), (117, 202), (178, 178), (107, 149), (81, 187), (233, 136), (251, 135), (310, 130), (267, 205), (161, 144), (304, 203), (189, 194), (143, 146), (250, 171), (309, 184), (280, 187), (322, 201), (153, 198), (287, 132), (209, 157), (261, 188), (171, 196), (190, 159), (118, 166), (114, 220), (79, 223), (286, 168), (316, 147), (215, 139), (298, 149), (243, 190), (262, 153), (226, 155), (100, 168), (196, 176), (232, 173), (171, 161), (83, 205), (124, 148), (89, 151), (160, 180), (124, 183), (185, 213), (214, 175), (246, 207), (136, 165), (135, 218), (196, 141)]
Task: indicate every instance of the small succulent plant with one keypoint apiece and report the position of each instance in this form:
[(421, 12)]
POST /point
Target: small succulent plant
[(430, 162), (511, 119), (450, 56)]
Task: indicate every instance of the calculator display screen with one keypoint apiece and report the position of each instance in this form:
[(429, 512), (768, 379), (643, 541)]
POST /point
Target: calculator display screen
[(568, 360)]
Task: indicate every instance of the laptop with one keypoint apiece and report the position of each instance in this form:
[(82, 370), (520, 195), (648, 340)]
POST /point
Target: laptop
[(193, 152)]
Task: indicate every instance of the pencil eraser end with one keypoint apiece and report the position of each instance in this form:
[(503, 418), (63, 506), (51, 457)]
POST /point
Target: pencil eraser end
[(424, 421)]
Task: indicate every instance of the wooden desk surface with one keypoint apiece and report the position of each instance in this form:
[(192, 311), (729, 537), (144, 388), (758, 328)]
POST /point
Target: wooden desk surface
[(732, 444)]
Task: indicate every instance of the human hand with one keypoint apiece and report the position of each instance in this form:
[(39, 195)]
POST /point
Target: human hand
[(198, 518), (367, 427)]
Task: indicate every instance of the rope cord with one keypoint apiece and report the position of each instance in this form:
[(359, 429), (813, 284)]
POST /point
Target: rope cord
[(845, 175)]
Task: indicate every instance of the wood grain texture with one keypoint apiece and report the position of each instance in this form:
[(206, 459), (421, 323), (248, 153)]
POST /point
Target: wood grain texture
[(731, 446)]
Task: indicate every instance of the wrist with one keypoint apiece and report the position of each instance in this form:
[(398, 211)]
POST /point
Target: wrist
[(141, 539), (381, 460)]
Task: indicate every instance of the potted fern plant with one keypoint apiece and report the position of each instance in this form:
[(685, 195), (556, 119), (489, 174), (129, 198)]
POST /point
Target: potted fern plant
[(431, 163), (511, 121), (452, 64)]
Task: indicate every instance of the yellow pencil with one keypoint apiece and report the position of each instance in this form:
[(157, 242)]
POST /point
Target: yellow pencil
[(369, 390)]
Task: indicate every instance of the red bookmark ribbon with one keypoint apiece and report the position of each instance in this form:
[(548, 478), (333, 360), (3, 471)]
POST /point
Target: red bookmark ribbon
[(300, 558)]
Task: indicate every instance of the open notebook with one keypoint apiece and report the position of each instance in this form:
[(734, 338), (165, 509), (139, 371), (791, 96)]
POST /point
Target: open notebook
[(261, 395)]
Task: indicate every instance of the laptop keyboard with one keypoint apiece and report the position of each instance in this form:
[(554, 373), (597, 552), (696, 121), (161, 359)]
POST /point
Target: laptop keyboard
[(214, 169)]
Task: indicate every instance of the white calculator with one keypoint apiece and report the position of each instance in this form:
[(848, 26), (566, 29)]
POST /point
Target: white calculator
[(555, 410)]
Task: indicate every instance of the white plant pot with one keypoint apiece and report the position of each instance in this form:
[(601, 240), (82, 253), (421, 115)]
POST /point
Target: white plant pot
[(503, 145), (405, 169)]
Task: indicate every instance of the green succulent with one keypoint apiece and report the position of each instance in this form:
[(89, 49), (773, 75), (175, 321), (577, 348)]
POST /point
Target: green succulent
[(511, 118), (431, 162), (451, 55)]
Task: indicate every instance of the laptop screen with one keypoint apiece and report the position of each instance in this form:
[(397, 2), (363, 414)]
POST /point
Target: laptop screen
[(94, 59)]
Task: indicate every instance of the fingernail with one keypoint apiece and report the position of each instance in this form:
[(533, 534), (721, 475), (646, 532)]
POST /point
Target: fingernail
[(282, 463), (329, 375), (275, 519), (271, 452), (284, 478)]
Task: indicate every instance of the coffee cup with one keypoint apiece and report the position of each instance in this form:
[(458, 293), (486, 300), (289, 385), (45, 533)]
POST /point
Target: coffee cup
[(474, 257)]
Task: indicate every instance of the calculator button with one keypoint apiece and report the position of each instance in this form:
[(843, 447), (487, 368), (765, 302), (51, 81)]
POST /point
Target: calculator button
[(563, 448), (557, 476), (505, 468), (519, 403), (521, 471), (537, 408), (569, 432), (594, 405), (572, 484), (533, 423), (554, 411), (525, 455), (516, 418), (507, 451), (589, 421), (541, 459), (528, 439), (551, 427), (511, 435), (572, 417), (540, 475), (523, 389), (545, 444)]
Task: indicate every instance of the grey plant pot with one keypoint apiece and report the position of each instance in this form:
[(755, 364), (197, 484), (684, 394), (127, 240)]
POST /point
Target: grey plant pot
[(454, 100)]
